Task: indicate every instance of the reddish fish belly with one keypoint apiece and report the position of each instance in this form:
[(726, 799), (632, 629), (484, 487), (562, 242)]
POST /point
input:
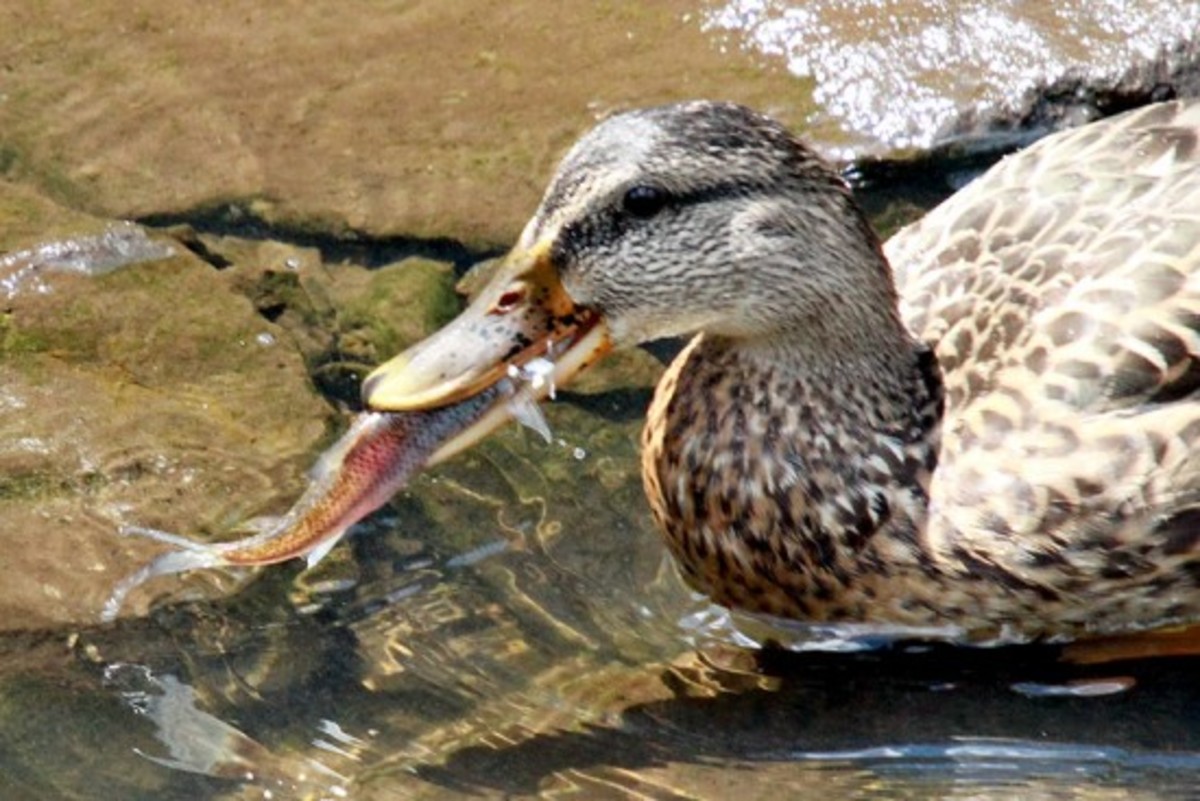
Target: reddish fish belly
[(379, 462)]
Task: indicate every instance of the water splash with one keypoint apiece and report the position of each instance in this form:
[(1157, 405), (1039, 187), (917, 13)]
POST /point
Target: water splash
[(944, 57), (200, 742), (524, 385), (120, 245)]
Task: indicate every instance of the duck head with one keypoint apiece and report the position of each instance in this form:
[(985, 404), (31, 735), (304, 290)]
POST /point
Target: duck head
[(697, 217)]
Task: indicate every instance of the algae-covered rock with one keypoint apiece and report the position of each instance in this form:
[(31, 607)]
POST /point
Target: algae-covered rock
[(386, 310), (287, 285), (345, 318), (152, 394)]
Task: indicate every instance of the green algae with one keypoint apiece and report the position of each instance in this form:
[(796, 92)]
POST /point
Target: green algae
[(27, 486), (397, 306), (14, 342)]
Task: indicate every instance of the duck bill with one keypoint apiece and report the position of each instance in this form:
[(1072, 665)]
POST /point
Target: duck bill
[(522, 332)]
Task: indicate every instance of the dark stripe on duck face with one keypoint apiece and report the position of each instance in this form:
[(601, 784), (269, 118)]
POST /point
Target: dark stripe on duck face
[(610, 222), (712, 193)]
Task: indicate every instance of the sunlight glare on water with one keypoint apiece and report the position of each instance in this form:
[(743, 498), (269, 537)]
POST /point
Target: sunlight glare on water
[(510, 624), (896, 72)]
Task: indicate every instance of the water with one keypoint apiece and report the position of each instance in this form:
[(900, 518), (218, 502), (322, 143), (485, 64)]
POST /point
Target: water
[(119, 246), (492, 634), (947, 59), (509, 627)]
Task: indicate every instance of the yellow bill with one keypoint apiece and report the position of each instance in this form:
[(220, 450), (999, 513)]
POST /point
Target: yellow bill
[(522, 329)]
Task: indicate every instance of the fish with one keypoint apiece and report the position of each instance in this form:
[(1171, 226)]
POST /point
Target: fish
[(371, 462)]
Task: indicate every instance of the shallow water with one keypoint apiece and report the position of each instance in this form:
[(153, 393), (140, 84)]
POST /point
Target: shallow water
[(509, 627), (945, 57), (489, 634)]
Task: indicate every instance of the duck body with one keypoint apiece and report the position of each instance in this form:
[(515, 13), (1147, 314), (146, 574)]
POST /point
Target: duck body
[(1062, 296), (988, 425), (782, 495)]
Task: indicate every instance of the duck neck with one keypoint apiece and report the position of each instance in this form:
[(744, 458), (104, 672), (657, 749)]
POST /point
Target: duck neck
[(789, 464)]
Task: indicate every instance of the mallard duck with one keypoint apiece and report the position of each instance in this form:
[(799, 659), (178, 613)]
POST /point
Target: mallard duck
[(990, 425)]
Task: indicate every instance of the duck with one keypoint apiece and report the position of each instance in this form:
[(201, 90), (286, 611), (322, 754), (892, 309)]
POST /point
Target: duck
[(987, 426)]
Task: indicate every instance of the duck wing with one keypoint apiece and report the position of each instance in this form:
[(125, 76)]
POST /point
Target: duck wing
[(1061, 295)]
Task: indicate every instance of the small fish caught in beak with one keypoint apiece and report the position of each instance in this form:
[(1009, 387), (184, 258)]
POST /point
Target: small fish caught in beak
[(509, 349), (523, 332)]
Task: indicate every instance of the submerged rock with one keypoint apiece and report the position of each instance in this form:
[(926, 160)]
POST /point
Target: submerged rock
[(425, 120), (151, 393), (173, 380)]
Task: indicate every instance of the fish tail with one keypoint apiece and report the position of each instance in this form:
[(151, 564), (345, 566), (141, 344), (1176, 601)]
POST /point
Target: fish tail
[(192, 556)]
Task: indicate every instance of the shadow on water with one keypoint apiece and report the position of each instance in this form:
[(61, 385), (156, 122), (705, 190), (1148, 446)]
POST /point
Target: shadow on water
[(506, 667), (239, 220), (944, 716)]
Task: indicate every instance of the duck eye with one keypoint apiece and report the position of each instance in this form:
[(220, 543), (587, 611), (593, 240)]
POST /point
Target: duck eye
[(644, 201)]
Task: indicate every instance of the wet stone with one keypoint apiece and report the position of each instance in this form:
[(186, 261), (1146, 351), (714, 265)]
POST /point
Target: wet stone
[(145, 394)]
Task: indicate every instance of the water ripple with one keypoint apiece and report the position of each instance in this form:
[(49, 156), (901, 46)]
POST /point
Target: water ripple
[(121, 245), (944, 56)]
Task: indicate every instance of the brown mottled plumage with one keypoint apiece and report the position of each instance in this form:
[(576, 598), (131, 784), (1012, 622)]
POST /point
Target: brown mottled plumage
[(999, 440)]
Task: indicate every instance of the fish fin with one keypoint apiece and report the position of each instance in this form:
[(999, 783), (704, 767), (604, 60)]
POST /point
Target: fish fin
[(526, 412), (331, 460), (183, 543), (314, 557), (194, 557)]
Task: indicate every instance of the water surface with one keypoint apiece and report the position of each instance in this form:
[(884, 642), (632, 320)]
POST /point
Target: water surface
[(509, 626)]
